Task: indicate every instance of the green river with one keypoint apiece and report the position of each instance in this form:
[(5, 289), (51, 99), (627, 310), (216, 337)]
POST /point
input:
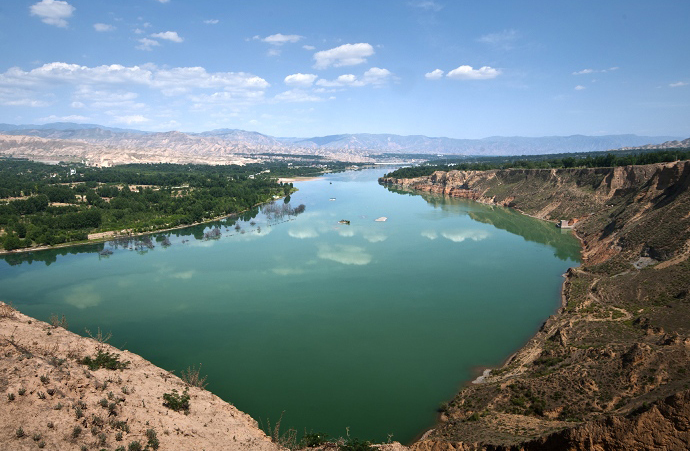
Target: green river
[(369, 325)]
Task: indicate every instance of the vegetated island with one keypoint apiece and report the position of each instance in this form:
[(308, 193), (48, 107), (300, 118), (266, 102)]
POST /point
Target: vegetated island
[(610, 370)]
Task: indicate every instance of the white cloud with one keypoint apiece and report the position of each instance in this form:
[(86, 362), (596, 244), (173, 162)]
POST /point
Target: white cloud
[(273, 52), (308, 47), (595, 71), (579, 88), (301, 80), (77, 105), (678, 84), (468, 73), (138, 31), (163, 1), (280, 39), (173, 81), (102, 27), (147, 44), (211, 21), (24, 102), (134, 119), (458, 236), (504, 39), (344, 55), (53, 12), (347, 255), (435, 74), (374, 76), (297, 95), (427, 5), (168, 36), (70, 118)]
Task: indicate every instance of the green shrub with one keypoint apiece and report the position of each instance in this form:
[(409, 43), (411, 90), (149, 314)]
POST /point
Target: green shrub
[(104, 359), (314, 439), (153, 442), (177, 402), (355, 444)]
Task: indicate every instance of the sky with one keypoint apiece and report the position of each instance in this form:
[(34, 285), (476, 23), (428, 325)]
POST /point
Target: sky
[(303, 68)]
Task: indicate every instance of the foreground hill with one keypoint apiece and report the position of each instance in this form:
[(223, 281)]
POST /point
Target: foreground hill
[(51, 401), (611, 370)]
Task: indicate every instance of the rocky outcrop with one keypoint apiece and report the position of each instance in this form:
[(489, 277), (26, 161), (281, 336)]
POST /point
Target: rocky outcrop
[(621, 341)]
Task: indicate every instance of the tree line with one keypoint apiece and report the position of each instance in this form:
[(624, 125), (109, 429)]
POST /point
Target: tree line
[(44, 204), (584, 160)]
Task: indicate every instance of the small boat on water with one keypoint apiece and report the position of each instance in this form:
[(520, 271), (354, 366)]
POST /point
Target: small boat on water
[(332, 198), (381, 219), (344, 221)]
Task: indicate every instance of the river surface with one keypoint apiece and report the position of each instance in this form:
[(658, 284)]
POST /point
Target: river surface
[(369, 326)]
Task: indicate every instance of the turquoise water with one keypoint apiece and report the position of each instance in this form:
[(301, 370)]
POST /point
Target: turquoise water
[(369, 326)]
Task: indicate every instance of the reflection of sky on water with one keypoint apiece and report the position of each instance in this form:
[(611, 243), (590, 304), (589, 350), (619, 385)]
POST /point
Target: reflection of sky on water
[(83, 296), (345, 254), (458, 236)]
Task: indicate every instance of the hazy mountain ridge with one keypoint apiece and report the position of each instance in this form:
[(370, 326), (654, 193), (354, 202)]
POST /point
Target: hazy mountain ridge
[(226, 145)]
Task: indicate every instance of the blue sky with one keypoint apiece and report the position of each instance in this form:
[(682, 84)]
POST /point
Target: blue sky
[(462, 69)]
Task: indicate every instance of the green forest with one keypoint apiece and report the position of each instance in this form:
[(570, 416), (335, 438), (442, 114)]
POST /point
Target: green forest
[(43, 204), (583, 160)]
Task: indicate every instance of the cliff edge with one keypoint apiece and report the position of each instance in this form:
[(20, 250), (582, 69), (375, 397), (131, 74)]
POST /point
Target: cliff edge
[(611, 370)]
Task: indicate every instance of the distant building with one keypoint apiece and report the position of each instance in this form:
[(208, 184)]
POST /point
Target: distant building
[(565, 224)]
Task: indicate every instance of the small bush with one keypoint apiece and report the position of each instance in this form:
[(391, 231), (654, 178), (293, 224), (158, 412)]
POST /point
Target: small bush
[(104, 359), (21, 391), (314, 439), (76, 431), (78, 412), (10, 396), (42, 444), (19, 432), (134, 446), (36, 437), (41, 395), (118, 436), (44, 379), (56, 321), (153, 442), (192, 376), (103, 402), (355, 444), (177, 402)]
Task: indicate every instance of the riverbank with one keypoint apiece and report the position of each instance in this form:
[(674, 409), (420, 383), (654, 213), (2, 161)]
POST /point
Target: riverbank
[(618, 347), (109, 235)]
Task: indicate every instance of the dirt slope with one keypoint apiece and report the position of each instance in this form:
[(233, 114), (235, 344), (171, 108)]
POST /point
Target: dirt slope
[(47, 393)]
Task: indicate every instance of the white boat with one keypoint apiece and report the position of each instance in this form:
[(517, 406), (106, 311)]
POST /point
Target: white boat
[(381, 219)]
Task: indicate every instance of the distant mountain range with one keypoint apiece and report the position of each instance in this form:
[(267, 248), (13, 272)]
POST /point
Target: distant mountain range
[(223, 144)]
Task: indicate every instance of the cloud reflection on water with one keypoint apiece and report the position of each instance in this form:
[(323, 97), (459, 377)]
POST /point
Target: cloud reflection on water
[(345, 254)]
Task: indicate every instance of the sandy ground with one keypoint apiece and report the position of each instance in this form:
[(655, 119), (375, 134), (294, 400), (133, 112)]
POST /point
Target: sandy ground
[(296, 179), (47, 393)]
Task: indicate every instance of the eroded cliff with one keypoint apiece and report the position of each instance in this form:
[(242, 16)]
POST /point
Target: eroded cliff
[(621, 341)]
